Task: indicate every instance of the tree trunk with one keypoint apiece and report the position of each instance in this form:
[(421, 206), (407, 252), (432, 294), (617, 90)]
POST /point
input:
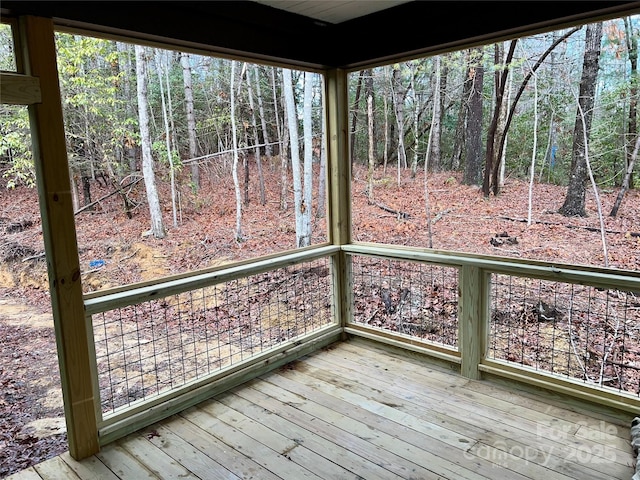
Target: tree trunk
[(354, 117), (268, 148), (398, 108), (492, 161), (167, 137), (234, 131), (532, 168), (385, 148), (191, 120), (371, 155), (574, 204), (155, 213), (307, 198), (632, 129), (320, 213), (283, 136), (415, 117), (473, 134), (627, 180), (292, 121), (276, 110), (459, 145), (256, 139), (435, 156)]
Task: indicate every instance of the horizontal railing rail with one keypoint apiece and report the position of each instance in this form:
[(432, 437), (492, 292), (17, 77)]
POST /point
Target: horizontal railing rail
[(96, 303)]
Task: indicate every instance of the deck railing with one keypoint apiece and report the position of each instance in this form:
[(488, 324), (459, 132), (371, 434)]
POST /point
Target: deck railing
[(166, 343), (164, 346), (572, 329)]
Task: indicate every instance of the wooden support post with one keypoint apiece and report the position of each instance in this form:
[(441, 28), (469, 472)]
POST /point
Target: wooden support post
[(339, 195), (58, 229), (474, 314)]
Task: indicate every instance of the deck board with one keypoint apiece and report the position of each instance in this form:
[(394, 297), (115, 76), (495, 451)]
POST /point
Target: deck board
[(359, 410)]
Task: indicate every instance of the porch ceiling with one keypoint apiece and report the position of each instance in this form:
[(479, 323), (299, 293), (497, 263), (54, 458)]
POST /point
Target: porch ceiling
[(298, 35)]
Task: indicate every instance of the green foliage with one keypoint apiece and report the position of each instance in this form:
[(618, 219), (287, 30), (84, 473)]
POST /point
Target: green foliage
[(15, 147), (7, 49)]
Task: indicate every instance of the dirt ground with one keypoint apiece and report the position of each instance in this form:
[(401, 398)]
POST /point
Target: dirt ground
[(31, 414)]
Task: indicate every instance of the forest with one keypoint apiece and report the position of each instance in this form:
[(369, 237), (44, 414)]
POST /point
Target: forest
[(153, 135)]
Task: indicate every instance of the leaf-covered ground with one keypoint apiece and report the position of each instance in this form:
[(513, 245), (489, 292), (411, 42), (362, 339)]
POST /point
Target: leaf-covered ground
[(114, 251)]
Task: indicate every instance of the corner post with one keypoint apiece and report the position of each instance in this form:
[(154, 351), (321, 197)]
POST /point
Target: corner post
[(58, 229), (474, 316), (339, 183)]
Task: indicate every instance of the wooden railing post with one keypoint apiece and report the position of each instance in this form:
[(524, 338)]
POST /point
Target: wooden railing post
[(473, 299), (339, 185), (58, 229)]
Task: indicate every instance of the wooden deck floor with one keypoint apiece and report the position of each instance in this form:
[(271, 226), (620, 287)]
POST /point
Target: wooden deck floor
[(360, 411)]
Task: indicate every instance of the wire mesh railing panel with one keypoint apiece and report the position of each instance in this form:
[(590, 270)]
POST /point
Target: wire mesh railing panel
[(417, 299), (577, 331), (156, 346)]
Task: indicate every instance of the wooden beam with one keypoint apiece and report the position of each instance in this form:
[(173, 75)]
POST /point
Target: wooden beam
[(56, 207), (17, 89), (473, 321), (339, 188)]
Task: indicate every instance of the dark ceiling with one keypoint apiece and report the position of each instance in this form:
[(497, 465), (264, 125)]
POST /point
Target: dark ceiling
[(263, 32)]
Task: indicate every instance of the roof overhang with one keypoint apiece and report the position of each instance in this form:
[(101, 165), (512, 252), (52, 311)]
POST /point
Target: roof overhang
[(254, 30)]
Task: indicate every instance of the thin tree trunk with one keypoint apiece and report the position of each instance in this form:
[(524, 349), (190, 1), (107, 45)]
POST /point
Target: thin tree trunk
[(284, 155), (435, 156), (263, 120), (371, 155), (167, 136), (632, 129), (459, 145), (191, 119), (585, 141), (320, 213), (532, 172), (236, 182), (399, 114), (354, 118), (307, 187), (385, 152), (626, 181), (276, 110), (416, 108), (155, 213), (263, 198), (295, 152), (427, 204)]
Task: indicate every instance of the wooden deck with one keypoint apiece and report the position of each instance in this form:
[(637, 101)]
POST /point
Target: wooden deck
[(361, 411)]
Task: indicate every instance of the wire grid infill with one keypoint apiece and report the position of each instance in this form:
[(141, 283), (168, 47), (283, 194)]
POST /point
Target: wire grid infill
[(412, 298), (146, 349), (580, 332)]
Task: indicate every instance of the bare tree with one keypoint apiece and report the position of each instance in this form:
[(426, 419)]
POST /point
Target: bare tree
[(155, 213), (371, 155), (167, 135), (292, 120), (256, 140), (263, 119), (236, 182)]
